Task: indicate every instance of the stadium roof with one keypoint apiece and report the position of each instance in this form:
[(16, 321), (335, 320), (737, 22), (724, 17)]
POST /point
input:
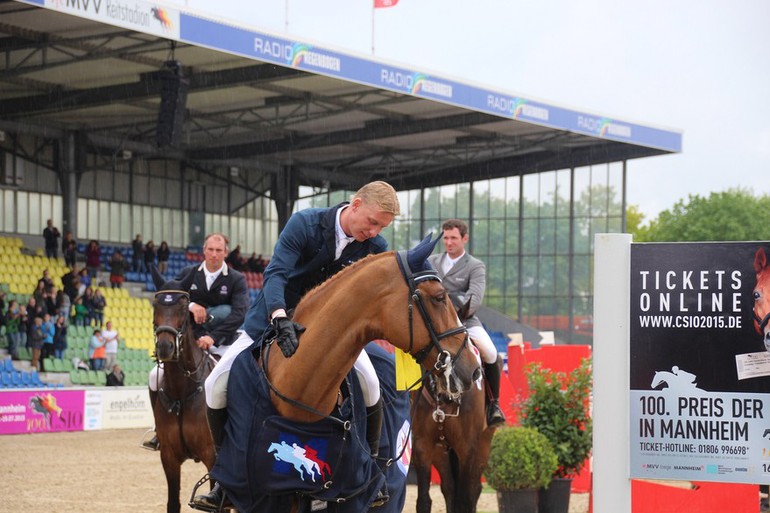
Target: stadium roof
[(265, 104)]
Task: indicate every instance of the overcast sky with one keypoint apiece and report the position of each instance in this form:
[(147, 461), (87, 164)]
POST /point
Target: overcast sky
[(699, 66)]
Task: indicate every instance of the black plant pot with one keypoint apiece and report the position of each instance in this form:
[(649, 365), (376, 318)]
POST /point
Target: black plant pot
[(555, 498), (517, 501)]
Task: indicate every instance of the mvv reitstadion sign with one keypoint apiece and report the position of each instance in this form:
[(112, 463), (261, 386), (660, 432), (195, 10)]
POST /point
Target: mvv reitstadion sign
[(682, 374)]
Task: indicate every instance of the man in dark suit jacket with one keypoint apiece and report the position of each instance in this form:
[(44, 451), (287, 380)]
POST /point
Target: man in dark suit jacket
[(219, 300), (465, 278), (315, 244)]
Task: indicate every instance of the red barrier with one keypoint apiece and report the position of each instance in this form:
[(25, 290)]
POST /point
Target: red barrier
[(558, 358), (647, 497)]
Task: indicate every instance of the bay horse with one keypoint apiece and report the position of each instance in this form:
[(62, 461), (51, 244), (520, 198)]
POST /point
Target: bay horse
[(180, 407), (393, 296), (451, 435), (762, 297)]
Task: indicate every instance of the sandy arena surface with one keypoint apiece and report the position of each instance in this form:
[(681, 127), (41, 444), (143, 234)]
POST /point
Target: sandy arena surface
[(98, 471)]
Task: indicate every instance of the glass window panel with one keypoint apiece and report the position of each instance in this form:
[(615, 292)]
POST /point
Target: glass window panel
[(479, 233), (82, 231), (562, 193), (511, 236), (530, 236), (146, 223), (561, 278), (124, 222), (562, 235), (495, 267), (545, 276), (547, 235), (530, 269), (103, 221), (22, 209), (481, 199), (56, 211), (33, 213), (497, 244), (92, 220), (43, 204)]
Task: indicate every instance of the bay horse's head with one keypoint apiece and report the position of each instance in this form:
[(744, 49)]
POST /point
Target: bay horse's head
[(762, 296), (170, 317), (440, 342)]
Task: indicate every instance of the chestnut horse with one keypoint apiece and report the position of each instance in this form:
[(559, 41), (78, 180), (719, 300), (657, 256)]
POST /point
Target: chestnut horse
[(393, 296), (180, 408), (451, 435), (762, 296)]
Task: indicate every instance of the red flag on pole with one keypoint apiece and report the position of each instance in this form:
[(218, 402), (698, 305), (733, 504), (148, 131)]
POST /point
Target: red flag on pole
[(384, 3)]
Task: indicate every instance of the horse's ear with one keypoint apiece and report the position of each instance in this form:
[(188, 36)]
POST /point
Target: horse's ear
[(157, 278), (760, 260), (417, 257)]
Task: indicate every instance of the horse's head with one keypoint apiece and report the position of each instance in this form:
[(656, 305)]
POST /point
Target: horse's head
[(170, 317), (762, 296), (440, 342), (659, 378)]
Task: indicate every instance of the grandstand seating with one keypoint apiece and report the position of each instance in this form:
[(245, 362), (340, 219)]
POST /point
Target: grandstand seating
[(20, 271)]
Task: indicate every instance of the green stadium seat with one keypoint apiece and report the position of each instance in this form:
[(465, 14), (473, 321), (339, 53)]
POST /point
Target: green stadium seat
[(58, 365), (75, 377)]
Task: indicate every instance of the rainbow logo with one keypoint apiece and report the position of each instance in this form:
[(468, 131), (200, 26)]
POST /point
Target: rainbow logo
[(517, 105), (604, 125), (298, 51), (417, 80)]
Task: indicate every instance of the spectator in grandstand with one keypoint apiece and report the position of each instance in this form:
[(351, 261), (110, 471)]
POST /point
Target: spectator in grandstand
[(46, 281), (93, 259), (163, 255), (110, 337), (36, 337), (255, 263), (84, 281), (12, 319), (69, 249), (149, 255), (63, 306), (23, 326), (116, 377), (39, 292), (51, 235), (117, 270), (464, 278), (98, 304), (70, 282), (60, 337), (81, 315), (79, 364), (137, 257), (96, 350), (34, 309), (49, 330)]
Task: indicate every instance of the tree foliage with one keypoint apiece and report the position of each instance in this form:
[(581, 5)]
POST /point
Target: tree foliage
[(732, 215)]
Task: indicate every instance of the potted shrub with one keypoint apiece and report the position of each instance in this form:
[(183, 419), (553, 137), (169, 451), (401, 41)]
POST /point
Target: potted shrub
[(521, 461), (558, 407)]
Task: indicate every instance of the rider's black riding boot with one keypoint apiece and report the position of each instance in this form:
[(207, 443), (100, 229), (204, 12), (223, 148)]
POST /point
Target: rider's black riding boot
[(152, 444), (495, 415), (216, 497), (374, 417)]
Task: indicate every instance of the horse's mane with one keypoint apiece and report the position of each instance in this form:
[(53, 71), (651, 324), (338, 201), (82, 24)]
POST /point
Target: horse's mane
[(310, 294)]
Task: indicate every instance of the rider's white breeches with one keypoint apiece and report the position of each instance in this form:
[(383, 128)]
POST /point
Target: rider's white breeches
[(485, 345), (216, 383), (370, 383)]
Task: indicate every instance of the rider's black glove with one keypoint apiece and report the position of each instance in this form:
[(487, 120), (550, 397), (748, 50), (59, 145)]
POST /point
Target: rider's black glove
[(288, 333)]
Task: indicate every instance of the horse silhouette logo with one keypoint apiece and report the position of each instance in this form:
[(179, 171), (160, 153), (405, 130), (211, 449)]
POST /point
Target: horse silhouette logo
[(45, 405), (677, 380), (304, 459)]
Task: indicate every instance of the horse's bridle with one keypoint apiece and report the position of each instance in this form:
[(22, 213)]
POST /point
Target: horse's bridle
[(173, 297), (444, 357), (762, 322)]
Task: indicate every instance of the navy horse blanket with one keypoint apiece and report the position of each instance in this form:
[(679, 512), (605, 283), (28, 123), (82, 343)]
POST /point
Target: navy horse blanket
[(265, 459)]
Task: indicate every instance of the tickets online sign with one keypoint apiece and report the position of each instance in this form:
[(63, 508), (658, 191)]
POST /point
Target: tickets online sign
[(700, 371)]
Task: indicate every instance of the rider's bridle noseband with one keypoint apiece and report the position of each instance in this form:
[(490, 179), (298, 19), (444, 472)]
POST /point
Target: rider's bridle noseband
[(444, 357), (172, 297)]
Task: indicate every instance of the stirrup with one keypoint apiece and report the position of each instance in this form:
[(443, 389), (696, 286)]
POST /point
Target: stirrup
[(382, 497), (220, 508), (151, 443), (495, 415)]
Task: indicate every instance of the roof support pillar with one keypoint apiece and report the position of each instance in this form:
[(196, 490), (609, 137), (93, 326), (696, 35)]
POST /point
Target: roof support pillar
[(284, 191), (70, 152)]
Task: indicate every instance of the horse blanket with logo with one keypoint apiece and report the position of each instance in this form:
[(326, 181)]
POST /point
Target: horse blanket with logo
[(265, 458)]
